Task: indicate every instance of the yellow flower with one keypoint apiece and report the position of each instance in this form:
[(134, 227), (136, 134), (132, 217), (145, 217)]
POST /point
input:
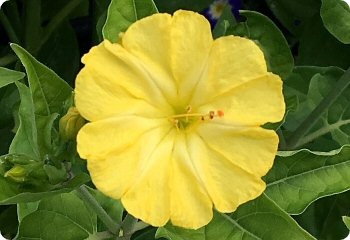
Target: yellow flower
[(175, 119)]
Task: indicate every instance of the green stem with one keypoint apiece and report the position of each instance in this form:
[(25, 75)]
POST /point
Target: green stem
[(131, 225), (128, 224), (101, 213), (58, 18), (315, 115), (8, 28)]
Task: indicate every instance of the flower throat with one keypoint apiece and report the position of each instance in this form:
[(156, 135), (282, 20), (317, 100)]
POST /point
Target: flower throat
[(182, 121)]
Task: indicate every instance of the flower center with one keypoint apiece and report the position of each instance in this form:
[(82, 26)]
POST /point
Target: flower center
[(182, 121)]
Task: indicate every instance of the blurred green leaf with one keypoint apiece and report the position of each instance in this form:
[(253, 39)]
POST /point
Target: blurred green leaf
[(9, 101), (99, 14), (172, 6), (65, 215), (294, 15), (122, 13), (11, 193), (311, 85), (32, 25), (51, 8), (298, 178), (6, 137), (8, 76), (99, 26), (257, 219), (347, 221), (62, 47), (317, 47), (336, 18), (323, 218), (270, 39)]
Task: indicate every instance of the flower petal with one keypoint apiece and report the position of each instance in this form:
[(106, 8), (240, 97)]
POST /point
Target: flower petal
[(149, 197), (112, 82), (191, 206), (98, 139), (253, 103), (191, 41), (233, 61), (149, 41), (116, 173), (227, 184), (252, 149)]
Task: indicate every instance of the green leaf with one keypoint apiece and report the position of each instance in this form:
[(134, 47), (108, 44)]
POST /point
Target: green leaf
[(317, 47), (291, 106), (73, 208), (270, 39), (336, 18), (28, 140), (298, 178), (48, 90), (122, 13), (347, 221), (323, 218), (64, 214), (24, 209), (311, 85), (43, 225), (11, 193), (257, 219), (8, 76), (45, 124), (25, 142), (294, 15)]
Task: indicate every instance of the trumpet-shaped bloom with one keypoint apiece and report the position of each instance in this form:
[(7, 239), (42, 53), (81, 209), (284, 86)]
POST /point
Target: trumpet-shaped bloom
[(174, 119)]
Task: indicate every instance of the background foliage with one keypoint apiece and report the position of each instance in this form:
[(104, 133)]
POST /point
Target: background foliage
[(306, 42)]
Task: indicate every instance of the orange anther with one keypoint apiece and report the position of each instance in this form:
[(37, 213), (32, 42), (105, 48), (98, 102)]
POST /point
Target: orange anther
[(220, 113)]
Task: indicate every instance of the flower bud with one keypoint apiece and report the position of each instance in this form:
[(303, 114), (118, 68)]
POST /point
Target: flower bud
[(17, 174), (70, 124)]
